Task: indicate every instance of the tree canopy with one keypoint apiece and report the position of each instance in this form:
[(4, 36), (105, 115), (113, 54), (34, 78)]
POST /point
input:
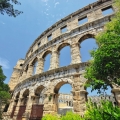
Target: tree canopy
[(104, 68), (4, 91), (4, 88), (6, 6)]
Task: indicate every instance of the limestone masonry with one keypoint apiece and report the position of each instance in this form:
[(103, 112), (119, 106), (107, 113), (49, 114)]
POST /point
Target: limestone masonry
[(35, 92)]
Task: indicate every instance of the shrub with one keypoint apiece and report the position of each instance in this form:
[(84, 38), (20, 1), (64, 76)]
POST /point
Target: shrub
[(71, 116), (50, 117), (105, 110)]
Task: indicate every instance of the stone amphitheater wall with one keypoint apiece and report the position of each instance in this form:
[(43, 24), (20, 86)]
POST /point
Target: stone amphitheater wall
[(25, 85)]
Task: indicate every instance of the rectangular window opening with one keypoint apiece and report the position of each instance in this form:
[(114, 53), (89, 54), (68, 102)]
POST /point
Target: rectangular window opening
[(64, 29), (107, 11), (82, 21), (49, 37)]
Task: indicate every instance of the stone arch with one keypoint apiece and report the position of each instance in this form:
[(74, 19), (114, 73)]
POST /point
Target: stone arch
[(46, 53), (34, 60), (85, 36), (54, 89), (14, 95), (17, 95), (46, 60), (86, 43), (62, 45), (39, 92), (25, 93), (64, 49), (34, 64), (61, 82)]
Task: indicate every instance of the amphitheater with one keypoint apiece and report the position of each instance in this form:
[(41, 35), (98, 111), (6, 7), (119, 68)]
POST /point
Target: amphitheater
[(35, 92)]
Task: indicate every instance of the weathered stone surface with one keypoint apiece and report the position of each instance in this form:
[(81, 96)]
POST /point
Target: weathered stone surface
[(43, 87)]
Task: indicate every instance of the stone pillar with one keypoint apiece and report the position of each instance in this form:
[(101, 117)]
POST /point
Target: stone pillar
[(56, 33), (54, 62), (72, 24), (26, 115), (40, 66), (29, 104), (49, 105), (76, 102), (17, 108), (79, 96), (30, 71), (75, 53), (10, 109), (56, 102), (83, 99), (116, 92)]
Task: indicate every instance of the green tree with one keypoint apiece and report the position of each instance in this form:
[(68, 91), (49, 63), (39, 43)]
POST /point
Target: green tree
[(104, 69), (6, 6), (4, 91)]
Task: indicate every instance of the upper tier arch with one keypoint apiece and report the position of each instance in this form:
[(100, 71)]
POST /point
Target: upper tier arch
[(86, 36), (62, 45), (71, 21)]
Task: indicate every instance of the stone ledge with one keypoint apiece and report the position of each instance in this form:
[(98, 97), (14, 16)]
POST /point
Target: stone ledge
[(56, 72)]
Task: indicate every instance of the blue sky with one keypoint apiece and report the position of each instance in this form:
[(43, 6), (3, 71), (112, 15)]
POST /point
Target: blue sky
[(17, 34)]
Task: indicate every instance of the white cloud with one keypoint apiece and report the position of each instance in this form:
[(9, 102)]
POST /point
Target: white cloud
[(4, 63), (57, 3)]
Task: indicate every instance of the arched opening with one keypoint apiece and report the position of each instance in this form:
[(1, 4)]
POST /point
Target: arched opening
[(35, 63), (15, 104), (87, 43), (37, 107), (23, 105), (64, 99), (64, 55), (47, 58), (26, 94), (6, 107), (39, 92)]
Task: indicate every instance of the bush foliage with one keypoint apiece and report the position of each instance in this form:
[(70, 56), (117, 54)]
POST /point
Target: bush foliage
[(105, 110)]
